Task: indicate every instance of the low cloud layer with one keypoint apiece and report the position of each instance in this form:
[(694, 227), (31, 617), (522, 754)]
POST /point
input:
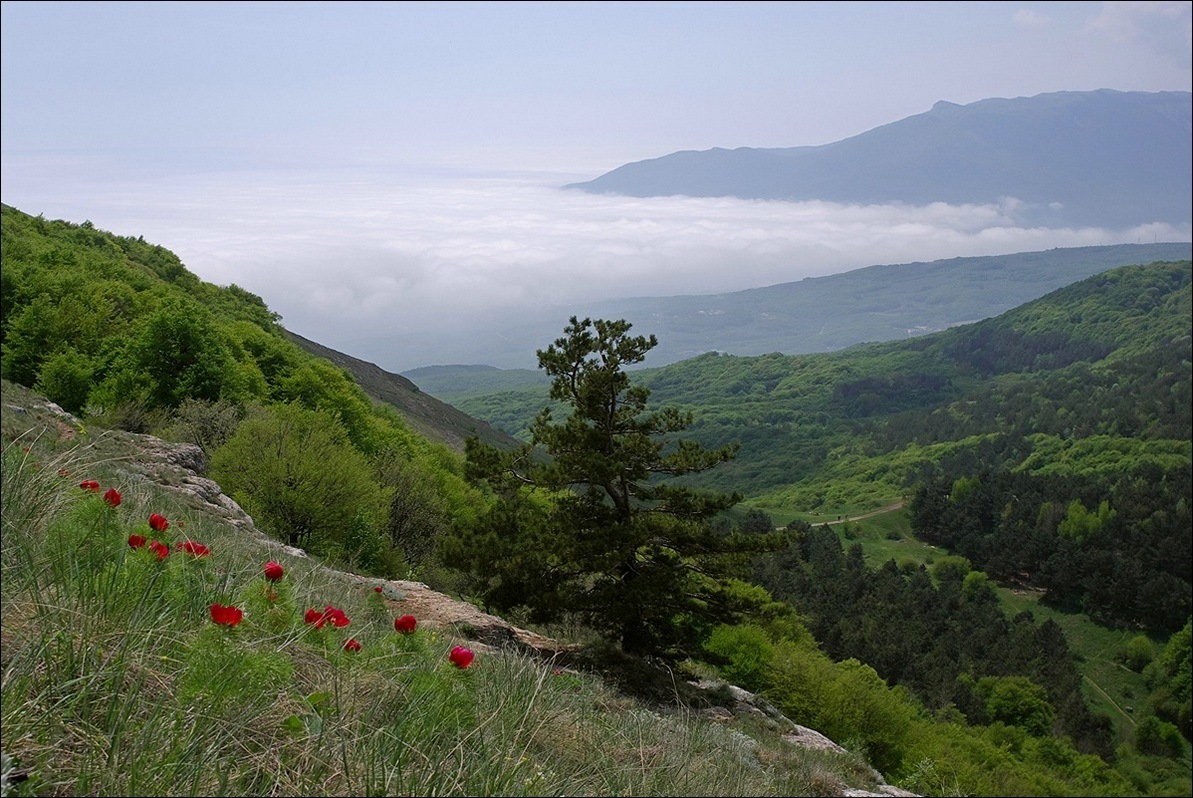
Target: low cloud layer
[(406, 271)]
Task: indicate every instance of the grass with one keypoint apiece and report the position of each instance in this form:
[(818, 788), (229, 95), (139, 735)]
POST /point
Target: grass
[(782, 515), (883, 534), (886, 536), (116, 680)]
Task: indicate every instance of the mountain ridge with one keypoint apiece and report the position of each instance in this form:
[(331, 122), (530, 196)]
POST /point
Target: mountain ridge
[(1067, 158), (821, 314)]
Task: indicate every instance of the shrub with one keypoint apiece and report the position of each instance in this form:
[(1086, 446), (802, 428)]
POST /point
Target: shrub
[(744, 654)]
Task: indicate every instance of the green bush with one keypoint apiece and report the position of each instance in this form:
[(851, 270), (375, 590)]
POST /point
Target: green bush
[(295, 471), (743, 652), (1017, 701), (1159, 738), (65, 378), (1138, 653)]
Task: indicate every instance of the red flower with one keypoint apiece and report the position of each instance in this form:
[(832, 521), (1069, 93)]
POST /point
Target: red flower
[(160, 549), (191, 547), (136, 541), (377, 589), (112, 497), (158, 523), (330, 613), (90, 484), (405, 624), (226, 616), (273, 571), (351, 645), (461, 657)]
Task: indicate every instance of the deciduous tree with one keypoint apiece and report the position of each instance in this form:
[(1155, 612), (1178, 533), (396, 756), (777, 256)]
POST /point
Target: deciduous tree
[(295, 472)]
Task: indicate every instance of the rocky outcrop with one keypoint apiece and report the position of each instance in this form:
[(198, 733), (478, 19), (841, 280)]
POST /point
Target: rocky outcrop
[(747, 703), (174, 467)]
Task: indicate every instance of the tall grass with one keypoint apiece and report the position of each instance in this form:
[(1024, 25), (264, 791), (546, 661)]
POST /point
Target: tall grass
[(116, 680)]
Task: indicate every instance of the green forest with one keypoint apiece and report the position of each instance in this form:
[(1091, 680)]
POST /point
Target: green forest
[(693, 516)]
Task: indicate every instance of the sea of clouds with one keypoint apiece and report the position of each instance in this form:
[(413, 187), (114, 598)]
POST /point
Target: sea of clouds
[(408, 268)]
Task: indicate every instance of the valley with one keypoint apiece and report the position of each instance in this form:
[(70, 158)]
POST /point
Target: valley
[(1004, 532)]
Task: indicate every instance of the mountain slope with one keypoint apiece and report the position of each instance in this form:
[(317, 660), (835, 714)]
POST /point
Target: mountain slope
[(146, 624), (1101, 158), (1122, 336), (428, 416), (98, 319)]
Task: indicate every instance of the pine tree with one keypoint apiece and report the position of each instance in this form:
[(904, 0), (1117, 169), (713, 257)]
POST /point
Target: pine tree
[(595, 530)]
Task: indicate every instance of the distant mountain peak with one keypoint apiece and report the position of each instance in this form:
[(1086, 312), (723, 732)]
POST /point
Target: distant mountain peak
[(1100, 158)]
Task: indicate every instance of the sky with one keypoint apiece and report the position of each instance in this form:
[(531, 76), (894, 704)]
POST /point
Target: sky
[(391, 172)]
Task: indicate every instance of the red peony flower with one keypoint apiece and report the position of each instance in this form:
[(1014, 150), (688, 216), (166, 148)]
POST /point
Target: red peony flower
[(136, 541), (377, 589), (158, 523), (330, 613), (90, 484), (191, 547), (405, 624), (112, 497), (160, 549), (273, 571), (461, 657), (226, 616), (351, 645)]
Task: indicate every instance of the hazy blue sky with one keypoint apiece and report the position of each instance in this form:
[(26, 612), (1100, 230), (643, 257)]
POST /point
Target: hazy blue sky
[(382, 167)]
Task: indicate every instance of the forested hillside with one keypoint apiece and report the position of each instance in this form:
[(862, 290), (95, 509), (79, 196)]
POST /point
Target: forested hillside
[(428, 416), (117, 330), (1079, 398), (828, 430)]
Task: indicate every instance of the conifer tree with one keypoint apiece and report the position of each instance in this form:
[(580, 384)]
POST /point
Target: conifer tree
[(595, 530)]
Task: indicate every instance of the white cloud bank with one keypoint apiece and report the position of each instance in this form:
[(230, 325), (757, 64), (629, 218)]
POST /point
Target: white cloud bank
[(351, 260)]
